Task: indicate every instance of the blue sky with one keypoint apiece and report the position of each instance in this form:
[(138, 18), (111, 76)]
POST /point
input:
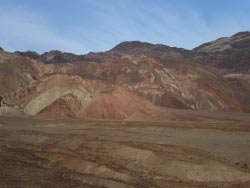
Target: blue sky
[(80, 26)]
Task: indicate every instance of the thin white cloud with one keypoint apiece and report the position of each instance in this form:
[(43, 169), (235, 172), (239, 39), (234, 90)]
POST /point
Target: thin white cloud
[(25, 30), (102, 24), (154, 22)]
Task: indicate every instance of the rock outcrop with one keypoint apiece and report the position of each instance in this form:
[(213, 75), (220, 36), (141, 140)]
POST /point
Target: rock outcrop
[(132, 81)]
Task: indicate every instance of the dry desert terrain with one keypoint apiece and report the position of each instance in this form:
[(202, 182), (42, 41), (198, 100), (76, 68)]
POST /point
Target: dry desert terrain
[(120, 154)]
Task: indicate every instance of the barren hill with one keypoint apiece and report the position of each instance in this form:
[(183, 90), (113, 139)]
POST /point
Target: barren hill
[(132, 81)]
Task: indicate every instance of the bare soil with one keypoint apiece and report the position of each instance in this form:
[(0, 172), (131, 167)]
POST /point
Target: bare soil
[(114, 154)]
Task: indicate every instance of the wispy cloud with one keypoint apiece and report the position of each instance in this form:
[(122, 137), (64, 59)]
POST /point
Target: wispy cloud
[(22, 29), (171, 22), (86, 25)]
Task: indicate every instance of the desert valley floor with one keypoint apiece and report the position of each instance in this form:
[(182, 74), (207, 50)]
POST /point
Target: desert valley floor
[(125, 94), (116, 154)]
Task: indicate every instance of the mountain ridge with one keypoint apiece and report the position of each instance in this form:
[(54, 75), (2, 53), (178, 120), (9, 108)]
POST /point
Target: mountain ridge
[(239, 34), (222, 53), (144, 79)]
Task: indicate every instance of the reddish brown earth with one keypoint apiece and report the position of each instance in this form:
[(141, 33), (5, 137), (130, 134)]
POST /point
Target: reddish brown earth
[(213, 152), (58, 109), (117, 105), (132, 81), (186, 117)]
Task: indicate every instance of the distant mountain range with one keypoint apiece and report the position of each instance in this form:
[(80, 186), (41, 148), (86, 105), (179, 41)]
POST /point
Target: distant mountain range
[(133, 81)]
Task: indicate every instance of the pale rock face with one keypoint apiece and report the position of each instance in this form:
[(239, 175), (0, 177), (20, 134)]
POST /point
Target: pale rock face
[(48, 97), (9, 111)]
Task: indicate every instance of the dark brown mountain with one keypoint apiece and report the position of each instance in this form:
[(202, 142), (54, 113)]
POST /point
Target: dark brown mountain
[(133, 81), (54, 56), (229, 53), (157, 51), (238, 41)]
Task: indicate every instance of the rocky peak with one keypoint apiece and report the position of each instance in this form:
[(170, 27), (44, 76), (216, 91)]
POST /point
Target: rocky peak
[(56, 56), (237, 41), (137, 47), (30, 54), (242, 34), (131, 46), (51, 54)]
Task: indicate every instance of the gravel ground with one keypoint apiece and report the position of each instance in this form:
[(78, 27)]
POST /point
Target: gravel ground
[(78, 153)]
